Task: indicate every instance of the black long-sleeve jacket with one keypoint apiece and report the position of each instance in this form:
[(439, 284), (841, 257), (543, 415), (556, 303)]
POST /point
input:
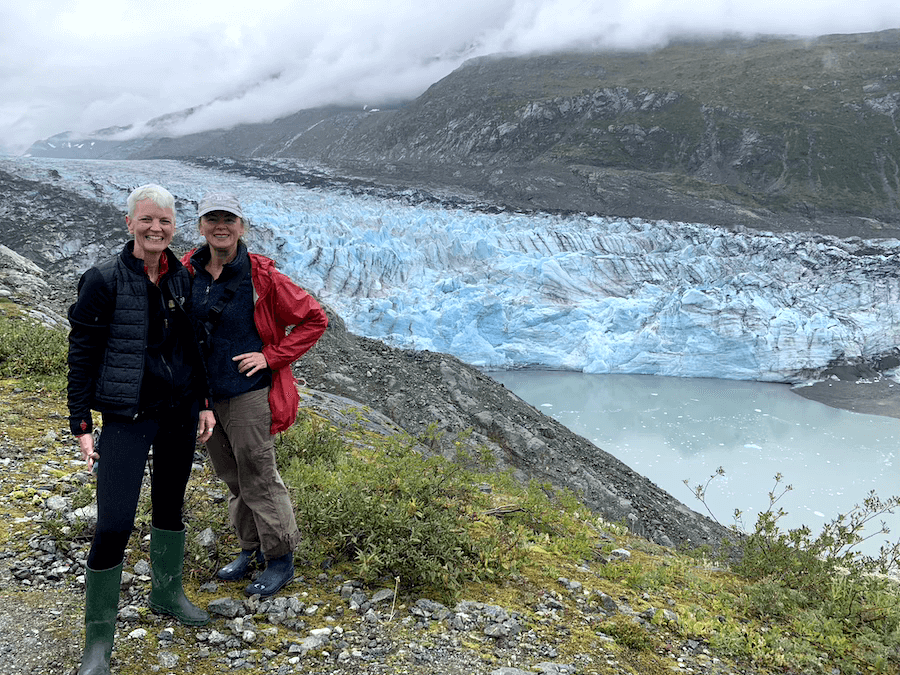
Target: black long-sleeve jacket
[(132, 346)]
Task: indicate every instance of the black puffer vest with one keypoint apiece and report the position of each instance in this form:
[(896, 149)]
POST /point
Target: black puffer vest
[(120, 378)]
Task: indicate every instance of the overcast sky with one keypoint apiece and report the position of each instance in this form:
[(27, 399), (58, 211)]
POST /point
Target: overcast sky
[(87, 64)]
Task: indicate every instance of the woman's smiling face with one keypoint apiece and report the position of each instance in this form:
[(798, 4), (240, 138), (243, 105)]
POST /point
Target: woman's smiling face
[(222, 231), (153, 228)]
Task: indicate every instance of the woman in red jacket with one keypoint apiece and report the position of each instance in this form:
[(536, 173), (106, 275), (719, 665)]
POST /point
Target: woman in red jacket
[(244, 306)]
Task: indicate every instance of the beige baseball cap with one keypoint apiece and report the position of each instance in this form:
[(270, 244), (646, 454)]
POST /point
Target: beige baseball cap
[(219, 201)]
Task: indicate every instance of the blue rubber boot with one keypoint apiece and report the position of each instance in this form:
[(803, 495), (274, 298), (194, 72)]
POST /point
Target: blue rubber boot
[(242, 565), (278, 573)]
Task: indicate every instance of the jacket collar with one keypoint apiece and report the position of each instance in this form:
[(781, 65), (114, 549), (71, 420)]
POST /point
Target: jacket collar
[(201, 256), (167, 261)]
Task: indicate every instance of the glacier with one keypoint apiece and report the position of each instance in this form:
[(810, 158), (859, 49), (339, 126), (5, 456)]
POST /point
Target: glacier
[(512, 290)]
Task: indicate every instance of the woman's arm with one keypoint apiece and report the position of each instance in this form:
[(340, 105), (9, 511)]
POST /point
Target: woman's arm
[(293, 307), (89, 319)]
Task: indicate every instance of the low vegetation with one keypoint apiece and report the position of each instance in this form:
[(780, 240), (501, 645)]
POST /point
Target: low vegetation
[(383, 511), (28, 350)]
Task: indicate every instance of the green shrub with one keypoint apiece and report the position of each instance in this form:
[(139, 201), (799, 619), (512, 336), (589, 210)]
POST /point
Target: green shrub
[(627, 632), (310, 439), (394, 514), (84, 495), (768, 599), (28, 348), (786, 558), (833, 596)]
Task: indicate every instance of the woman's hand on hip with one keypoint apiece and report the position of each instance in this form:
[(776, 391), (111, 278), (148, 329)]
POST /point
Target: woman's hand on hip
[(251, 363)]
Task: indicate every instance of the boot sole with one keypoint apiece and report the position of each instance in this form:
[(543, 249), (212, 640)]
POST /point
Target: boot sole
[(187, 622)]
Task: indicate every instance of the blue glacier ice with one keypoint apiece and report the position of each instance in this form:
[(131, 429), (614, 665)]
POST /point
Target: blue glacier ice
[(582, 293)]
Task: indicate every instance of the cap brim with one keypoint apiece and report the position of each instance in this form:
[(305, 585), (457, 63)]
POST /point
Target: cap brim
[(220, 208)]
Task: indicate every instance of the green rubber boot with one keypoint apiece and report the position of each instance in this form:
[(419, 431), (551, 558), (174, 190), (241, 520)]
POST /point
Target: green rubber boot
[(166, 564), (101, 605)]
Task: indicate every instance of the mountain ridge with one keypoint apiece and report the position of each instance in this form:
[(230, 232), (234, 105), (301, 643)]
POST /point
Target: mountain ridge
[(771, 133)]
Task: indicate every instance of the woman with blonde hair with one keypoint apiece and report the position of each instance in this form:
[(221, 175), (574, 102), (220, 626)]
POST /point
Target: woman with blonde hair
[(134, 357)]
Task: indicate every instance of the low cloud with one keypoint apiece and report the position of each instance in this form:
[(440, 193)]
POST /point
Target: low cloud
[(99, 64)]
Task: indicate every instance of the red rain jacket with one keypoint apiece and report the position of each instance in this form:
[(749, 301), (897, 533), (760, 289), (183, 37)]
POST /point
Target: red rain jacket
[(279, 303)]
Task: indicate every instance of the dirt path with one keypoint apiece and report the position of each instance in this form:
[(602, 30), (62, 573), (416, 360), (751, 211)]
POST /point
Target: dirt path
[(39, 630)]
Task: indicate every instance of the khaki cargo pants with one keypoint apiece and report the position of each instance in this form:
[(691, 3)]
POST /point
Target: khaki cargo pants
[(242, 452)]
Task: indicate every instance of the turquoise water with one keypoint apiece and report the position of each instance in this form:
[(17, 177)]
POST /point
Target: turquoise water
[(675, 429)]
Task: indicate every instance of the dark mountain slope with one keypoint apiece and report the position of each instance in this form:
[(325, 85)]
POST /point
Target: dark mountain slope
[(770, 133)]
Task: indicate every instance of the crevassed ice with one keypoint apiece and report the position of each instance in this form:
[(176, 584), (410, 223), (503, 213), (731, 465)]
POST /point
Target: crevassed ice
[(582, 293)]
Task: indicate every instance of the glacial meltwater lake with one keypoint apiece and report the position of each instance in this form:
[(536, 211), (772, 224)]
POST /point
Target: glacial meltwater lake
[(670, 429)]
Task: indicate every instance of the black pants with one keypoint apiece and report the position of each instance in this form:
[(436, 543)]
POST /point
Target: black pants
[(124, 446)]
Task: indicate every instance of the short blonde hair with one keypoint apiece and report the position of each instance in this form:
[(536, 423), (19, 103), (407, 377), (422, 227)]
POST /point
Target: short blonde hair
[(155, 193)]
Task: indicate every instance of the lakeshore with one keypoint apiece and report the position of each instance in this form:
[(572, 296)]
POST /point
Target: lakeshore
[(868, 397)]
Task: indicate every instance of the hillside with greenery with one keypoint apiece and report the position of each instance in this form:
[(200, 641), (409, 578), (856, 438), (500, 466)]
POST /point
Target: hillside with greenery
[(787, 126), (378, 508)]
